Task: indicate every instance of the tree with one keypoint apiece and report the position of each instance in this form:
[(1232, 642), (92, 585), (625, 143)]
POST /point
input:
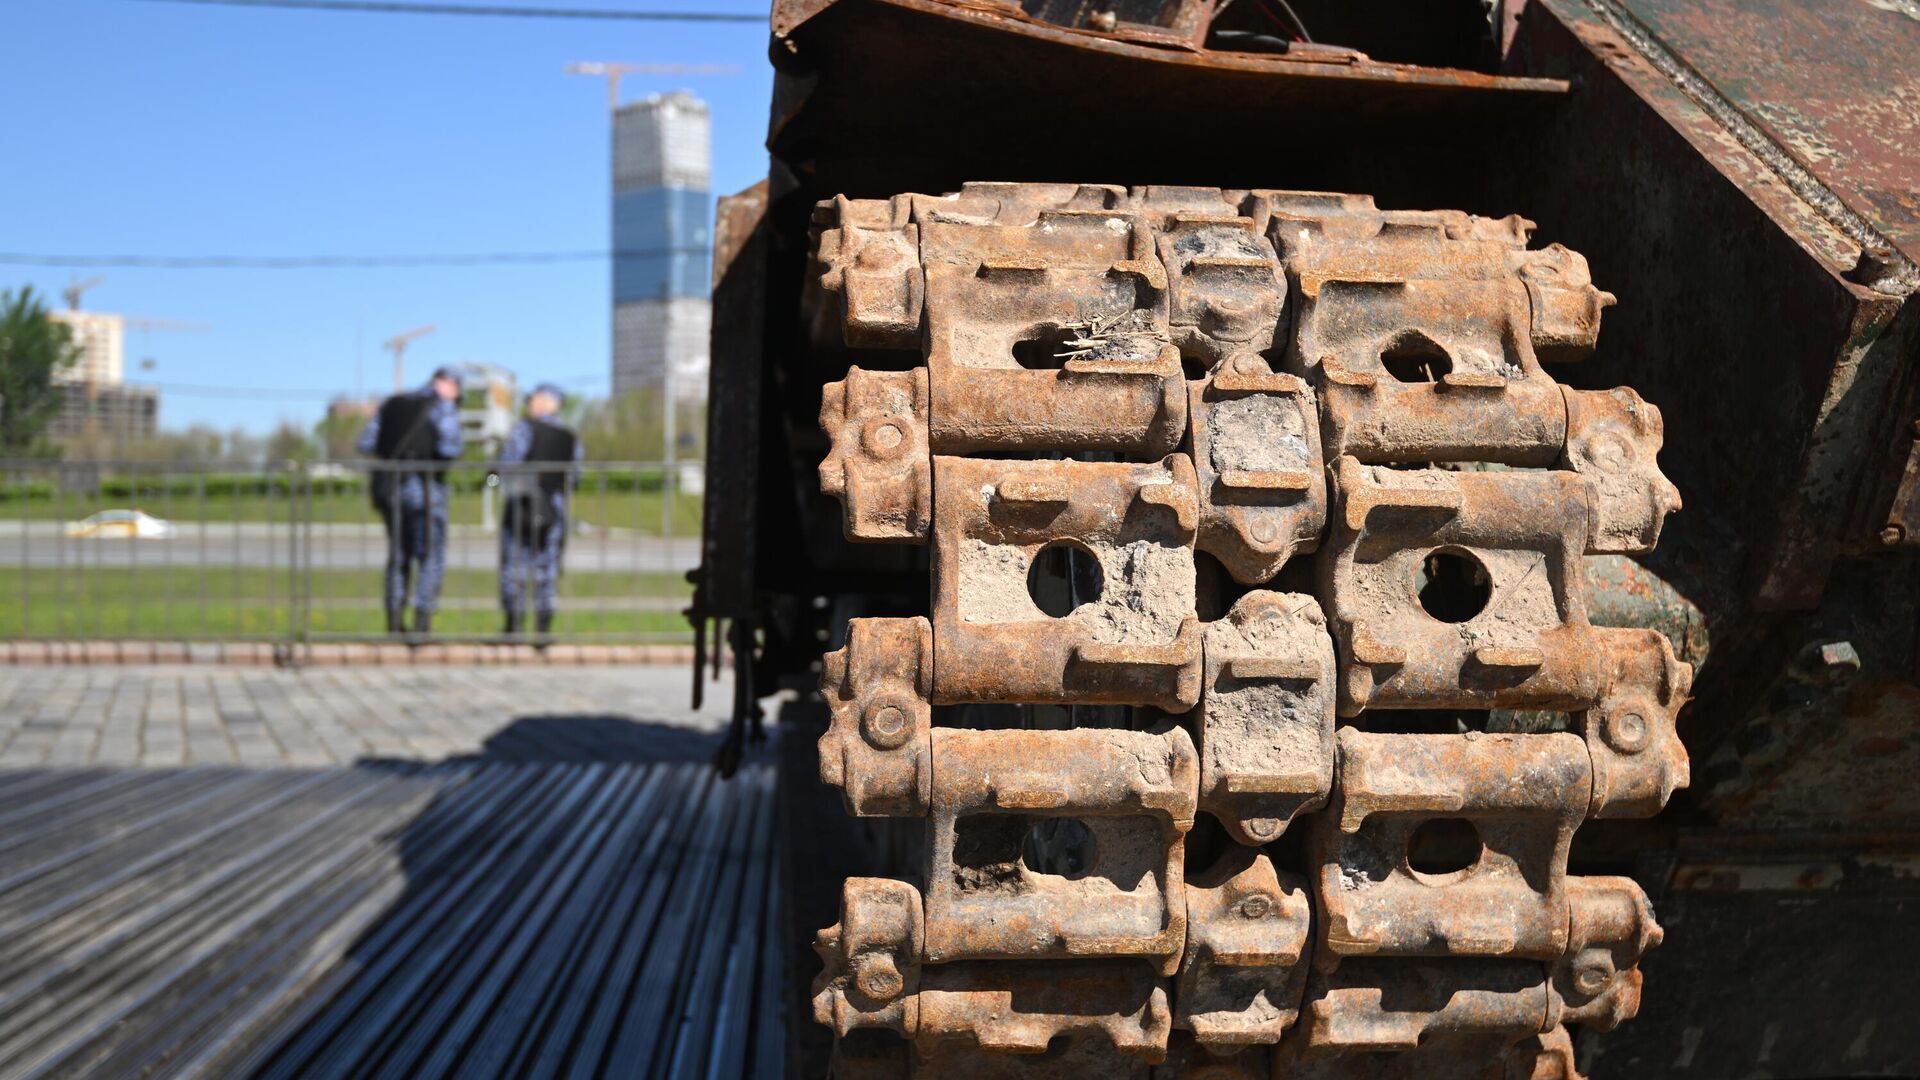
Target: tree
[(33, 349), (631, 427), (338, 433), (289, 442)]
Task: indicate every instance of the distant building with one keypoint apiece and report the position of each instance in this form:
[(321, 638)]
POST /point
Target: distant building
[(346, 408), (663, 244), (96, 401), (341, 429), (489, 400), (102, 340), (117, 411)]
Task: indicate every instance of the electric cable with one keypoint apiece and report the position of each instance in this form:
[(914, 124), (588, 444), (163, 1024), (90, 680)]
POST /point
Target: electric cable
[(387, 7), (326, 262)]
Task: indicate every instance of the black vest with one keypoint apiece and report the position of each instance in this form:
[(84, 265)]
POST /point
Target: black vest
[(406, 429), (551, 442)]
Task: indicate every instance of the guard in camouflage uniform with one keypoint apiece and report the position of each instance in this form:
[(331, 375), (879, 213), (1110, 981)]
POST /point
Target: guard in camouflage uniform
[(417, 426), (533, 526)]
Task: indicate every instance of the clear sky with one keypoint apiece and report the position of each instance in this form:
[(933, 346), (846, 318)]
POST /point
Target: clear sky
[(168, 129)]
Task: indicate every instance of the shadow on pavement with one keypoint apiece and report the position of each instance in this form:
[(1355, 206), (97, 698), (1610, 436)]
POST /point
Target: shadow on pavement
[(605, 739), (581, 897)]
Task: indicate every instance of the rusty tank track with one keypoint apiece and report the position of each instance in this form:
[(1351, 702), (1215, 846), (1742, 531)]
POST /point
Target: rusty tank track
[(1161, 397)]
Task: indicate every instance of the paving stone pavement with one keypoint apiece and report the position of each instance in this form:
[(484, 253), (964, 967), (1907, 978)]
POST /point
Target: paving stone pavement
[(174, 715)]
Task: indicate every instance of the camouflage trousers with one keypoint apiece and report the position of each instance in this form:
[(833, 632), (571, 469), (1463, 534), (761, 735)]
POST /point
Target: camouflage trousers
[(416, 550), (530, 559)]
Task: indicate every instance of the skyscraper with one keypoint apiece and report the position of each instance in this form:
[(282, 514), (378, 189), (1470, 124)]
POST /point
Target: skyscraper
[(662, 240)]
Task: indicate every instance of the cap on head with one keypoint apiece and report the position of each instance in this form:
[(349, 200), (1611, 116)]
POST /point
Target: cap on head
[(558, 395), (452, 375)]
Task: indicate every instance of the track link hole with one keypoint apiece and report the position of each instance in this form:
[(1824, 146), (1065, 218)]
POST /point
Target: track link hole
[(1443, 846), (1063, 847), (1453, 585), (1063, 577), (1415, 358)]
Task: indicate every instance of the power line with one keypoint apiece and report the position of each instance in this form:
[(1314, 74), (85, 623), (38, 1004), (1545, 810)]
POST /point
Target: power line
[(250, 393), (327, 262), (384, 7)]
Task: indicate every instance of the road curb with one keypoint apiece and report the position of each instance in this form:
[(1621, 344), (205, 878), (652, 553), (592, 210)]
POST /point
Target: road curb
[(333, 654)]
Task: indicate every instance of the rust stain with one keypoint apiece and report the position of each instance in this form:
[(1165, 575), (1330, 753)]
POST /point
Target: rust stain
[(1835, 85)]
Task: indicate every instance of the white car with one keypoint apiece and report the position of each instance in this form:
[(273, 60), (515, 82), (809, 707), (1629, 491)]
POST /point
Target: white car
[(121, 524)]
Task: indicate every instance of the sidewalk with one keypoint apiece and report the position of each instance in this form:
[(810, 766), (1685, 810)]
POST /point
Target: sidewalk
[(39, 652), (322, 716)]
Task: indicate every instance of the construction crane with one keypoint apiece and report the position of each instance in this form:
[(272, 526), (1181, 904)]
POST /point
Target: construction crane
[(613, 70), (398, 343), (176, 326), (77, 288), (147, 326)]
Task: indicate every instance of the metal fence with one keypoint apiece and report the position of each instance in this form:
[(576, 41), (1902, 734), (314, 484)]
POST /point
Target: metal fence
[(297, 553)]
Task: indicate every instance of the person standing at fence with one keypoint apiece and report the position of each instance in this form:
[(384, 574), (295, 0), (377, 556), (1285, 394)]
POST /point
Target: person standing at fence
[(417, 428), (533, 524)]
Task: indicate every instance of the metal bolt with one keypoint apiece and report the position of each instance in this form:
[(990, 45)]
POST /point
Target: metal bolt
[(1261, 829), (885, 726), (877, 976), (884, 438), (1592, 976), (1257, 906), (1626, 731), (1893, 534), (1878, 267)]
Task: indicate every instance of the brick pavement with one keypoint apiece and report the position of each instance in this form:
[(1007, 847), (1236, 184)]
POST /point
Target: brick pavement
[(186, 714)]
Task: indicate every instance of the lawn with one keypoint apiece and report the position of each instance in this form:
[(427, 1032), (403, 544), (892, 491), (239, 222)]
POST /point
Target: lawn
[(242, 602)]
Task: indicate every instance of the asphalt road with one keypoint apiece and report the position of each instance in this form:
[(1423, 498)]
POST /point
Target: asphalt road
[(44, 544)]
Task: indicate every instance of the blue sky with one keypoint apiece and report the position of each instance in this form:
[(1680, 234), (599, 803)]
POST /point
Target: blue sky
[(154, 128)]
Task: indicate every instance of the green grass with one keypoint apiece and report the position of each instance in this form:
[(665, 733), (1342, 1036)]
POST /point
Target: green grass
[(245, 602), (639, 511)]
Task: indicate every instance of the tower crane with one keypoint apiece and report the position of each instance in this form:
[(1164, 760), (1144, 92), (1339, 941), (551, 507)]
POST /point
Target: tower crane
[(77, 288), (613, 70)]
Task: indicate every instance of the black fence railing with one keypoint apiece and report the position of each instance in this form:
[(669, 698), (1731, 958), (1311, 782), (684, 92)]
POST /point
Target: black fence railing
[(300, 552)]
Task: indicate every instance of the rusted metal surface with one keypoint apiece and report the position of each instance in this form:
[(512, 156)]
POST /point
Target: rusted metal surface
[(1161, 22), (1014, 97), (1516, 798), (1127, 637), (1242, 974), (1835, 88), (877, 687), (1795, 540), (1265, 721), (1494, 617), (1795, 475), (1029, 859), (1138, 26), (1443, 1054), (1054, 928)]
